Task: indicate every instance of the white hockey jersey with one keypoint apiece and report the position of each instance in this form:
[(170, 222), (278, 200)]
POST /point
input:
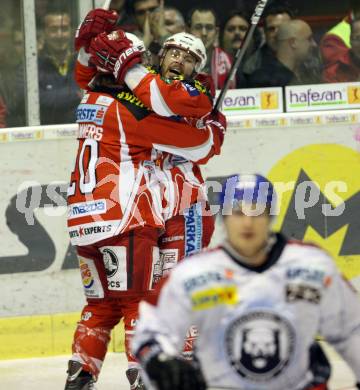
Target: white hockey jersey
[(256, 325)]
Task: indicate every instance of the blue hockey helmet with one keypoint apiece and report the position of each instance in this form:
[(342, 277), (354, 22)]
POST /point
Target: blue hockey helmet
[(248, 189)]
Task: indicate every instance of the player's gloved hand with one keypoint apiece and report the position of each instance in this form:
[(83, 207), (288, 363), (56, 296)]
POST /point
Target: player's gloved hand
[(218, 119), (114, 53), (95, 22), (214, 118), (170, 372)]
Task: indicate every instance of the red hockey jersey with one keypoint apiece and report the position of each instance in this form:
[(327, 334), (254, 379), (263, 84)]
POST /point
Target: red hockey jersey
[(181, 179), (163, 96), (115, 185)]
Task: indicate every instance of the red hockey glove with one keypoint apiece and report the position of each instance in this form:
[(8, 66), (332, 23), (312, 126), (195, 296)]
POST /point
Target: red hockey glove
[(114, 53), (217, 121), (96, 21), (214, 118)]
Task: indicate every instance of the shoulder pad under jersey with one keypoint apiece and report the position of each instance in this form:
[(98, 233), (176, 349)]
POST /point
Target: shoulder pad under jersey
[(133, 104)]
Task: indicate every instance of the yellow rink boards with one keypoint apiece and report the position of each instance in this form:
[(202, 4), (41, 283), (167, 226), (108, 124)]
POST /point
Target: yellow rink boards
[(46, 335)]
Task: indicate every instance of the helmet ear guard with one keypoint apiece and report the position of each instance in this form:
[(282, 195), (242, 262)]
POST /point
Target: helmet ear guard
[(189, 43), (140, 46), (137, 42)]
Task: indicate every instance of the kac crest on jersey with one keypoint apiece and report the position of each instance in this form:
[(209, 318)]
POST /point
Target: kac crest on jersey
[(110, 261)]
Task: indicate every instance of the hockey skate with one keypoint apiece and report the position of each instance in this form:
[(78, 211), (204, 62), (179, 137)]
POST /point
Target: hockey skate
[(134, 379), (78, 379)]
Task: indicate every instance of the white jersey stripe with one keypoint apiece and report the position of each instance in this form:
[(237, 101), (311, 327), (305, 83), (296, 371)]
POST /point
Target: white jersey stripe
[(187, 170), (134, 75), (170, 193), (152, 185), (83, 57), (157, 101), (195, 153), (127, 171), (129, 208)]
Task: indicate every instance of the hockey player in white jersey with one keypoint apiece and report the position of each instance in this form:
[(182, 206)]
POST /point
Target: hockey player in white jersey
[(258, 301)]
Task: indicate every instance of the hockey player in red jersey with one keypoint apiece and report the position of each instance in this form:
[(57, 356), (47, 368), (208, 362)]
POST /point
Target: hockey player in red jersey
[(172, 92), (117, 198), (115, 211)]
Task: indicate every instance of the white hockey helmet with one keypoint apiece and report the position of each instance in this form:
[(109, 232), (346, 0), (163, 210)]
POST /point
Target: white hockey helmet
[(189, 43), (140, 45), (137, 42)]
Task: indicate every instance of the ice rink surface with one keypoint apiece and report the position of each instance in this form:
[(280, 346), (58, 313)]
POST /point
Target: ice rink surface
[(49, 373)]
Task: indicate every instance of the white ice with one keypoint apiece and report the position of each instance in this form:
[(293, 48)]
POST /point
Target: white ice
[(49, 373)]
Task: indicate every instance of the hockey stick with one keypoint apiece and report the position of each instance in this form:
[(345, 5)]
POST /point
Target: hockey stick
[(106, 4), (222, 388), (236, 388), (259, 9)]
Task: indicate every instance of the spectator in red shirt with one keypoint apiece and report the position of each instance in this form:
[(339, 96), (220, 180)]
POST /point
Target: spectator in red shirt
[(344, 65), (337, 40), (3, 112)]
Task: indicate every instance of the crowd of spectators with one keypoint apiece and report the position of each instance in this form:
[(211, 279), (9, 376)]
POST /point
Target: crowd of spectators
[(283, 51), (58, 92)]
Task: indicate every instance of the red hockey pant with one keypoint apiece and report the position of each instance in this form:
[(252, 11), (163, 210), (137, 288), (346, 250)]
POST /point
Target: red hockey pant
[(141, 269)]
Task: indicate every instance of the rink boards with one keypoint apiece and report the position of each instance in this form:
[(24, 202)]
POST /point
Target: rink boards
[(313, 158)]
